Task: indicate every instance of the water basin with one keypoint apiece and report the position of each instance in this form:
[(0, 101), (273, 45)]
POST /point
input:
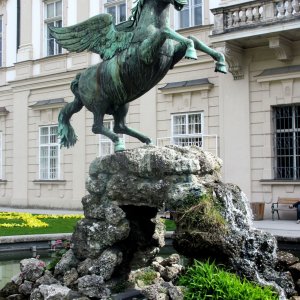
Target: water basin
[(10, 263)]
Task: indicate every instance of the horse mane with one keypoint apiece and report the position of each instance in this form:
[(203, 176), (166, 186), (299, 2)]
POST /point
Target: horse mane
[(136, 11)]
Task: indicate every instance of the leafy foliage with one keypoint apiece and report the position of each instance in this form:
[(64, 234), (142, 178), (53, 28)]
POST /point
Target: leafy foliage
[(59, 249), (208, 281)]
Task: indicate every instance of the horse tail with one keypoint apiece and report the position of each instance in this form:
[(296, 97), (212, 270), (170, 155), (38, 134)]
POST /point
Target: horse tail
[(65, 130)]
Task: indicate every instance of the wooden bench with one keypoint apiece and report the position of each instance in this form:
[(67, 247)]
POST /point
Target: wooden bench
[(283, 205)]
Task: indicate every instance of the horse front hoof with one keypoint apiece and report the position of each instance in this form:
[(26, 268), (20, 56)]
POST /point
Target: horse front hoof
[(191, 53), (119, 146), (148, 142), (221, 67)]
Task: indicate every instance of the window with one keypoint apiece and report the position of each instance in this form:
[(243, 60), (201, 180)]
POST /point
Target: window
[(1, 40), (191, 14), (187, 129), (117, 10), (53, 13), (49, 153), (1, 156), (287, 142), (106, 146)]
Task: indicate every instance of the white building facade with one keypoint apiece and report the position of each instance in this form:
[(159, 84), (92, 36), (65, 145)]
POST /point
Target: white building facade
[(249, 117)]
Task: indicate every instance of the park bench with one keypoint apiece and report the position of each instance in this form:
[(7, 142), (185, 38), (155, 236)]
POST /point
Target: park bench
[(283, 205)]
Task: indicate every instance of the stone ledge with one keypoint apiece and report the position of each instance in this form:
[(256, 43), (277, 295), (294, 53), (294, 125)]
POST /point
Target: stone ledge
[(34, 238)]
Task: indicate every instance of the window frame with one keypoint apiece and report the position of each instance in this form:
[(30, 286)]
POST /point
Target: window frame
[(103, 139), (116, 4), (57, 50), (188, 135), (294, 131), (49, 144), (191, 15)]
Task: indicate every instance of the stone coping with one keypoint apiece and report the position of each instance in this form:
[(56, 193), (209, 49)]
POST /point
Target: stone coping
[(67, 236), (34, 238)]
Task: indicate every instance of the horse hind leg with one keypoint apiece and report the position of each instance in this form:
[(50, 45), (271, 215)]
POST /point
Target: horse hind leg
[(99, 128), (66, 132), (217, 56), (121, 127)]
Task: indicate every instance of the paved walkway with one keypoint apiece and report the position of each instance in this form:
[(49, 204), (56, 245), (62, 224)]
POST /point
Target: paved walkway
[(281, 228)]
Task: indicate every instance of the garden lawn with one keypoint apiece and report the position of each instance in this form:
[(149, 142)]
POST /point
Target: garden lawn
[(55, 225), (170, 224)]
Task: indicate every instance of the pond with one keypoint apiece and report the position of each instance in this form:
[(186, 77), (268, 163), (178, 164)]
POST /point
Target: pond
[(10, 263)]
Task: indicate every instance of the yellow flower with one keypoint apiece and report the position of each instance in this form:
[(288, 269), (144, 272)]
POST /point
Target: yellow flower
[(29, 220)]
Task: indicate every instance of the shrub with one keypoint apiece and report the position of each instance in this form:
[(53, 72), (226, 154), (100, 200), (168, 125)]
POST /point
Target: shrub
[(208, 281)]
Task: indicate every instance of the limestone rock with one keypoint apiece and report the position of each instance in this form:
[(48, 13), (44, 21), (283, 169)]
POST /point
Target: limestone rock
[(174, 292), (9, 289), (168, 268), (91, 238), (32, 268), (131, 190), (70, 277), (46, 279), (102, 209), (96, 184), (17, 279), (286, 259), (155, 292), (91, 286), (295, 270), (155, 161), (73, 295), (26, 287), (67, 262), (106, 263), (84, 267), (50, 292), (170, 273)]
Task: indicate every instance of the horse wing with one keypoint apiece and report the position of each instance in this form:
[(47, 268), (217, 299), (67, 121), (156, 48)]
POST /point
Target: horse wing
[(97, 34)]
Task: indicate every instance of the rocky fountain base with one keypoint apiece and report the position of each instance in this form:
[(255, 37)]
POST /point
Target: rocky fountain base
[(121, 232)]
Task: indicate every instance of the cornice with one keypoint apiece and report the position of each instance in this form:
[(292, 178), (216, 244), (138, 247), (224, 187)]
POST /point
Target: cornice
[(44, 81)]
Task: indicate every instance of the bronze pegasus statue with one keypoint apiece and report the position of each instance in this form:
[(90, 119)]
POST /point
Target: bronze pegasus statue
[(136, 55)]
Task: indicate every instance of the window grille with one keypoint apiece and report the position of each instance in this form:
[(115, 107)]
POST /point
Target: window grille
[(187, 129), (117, 9), (287, 142), (191, 14), (53, 13), (49, 153), (106, 146)]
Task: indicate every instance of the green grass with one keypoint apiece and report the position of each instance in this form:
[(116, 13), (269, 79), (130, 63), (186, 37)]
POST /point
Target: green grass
[(170, 225), (208, 281), (55, 226)]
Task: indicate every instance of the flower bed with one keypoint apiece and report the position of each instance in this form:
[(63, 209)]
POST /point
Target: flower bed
[(27, 220)]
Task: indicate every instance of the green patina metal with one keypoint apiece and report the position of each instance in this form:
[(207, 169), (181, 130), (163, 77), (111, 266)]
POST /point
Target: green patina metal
[(136, 55)]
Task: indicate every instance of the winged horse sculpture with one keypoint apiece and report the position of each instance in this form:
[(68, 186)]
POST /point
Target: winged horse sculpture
[(136, 55)]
